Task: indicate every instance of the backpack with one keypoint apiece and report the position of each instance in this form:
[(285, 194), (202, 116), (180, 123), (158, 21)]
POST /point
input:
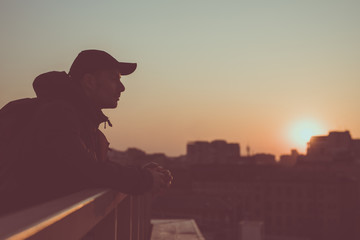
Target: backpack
[(14, 118)]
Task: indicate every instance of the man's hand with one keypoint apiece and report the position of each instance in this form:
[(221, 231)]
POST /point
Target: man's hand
[(162, 177)]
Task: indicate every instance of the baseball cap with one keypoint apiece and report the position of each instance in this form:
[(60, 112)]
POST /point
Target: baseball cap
[(92, 60)]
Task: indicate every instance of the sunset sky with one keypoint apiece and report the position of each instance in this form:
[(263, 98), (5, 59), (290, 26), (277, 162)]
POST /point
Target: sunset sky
[(261, 73)]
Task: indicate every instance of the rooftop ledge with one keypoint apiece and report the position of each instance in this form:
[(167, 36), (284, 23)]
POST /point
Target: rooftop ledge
[(89, 214)]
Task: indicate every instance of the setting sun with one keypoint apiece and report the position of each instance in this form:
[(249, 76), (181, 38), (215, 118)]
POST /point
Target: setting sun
[(301, 132)]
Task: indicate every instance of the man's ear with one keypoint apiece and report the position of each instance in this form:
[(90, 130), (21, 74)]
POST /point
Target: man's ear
[(88, 82)]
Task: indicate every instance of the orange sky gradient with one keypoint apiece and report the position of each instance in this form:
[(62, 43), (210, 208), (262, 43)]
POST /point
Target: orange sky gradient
[(250, 72)]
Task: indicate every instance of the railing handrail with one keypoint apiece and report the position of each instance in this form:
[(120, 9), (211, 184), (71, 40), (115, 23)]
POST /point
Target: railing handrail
[(70, 217)]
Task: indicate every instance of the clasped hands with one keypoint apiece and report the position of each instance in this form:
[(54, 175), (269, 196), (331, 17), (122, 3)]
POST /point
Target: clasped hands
[(162, 178)]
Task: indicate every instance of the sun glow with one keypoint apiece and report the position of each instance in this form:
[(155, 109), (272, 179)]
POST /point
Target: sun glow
[(302, 131)]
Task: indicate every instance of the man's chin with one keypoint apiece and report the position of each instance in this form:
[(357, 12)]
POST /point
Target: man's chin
[(110, 105)]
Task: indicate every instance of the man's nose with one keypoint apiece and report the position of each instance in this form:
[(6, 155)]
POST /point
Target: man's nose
[(121, 86)]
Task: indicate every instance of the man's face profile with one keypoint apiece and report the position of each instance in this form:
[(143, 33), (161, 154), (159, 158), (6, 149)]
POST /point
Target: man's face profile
[(106, 88)]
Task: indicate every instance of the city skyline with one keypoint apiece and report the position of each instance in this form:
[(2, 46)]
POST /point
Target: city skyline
[(335, 146), (262, 74)]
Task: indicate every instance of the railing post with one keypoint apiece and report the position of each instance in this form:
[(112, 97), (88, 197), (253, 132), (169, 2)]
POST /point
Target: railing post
[(124, 219), (104, 230), (146, 216), (141, 218), (142, 206), (135, 219), (116, 222)]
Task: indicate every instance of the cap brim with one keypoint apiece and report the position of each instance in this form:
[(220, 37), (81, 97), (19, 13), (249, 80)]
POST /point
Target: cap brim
[(126, 68)]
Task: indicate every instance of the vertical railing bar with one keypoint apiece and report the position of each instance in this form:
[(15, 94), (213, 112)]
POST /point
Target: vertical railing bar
[(137, 219), (131, 217), (141, 225), (116, 222)]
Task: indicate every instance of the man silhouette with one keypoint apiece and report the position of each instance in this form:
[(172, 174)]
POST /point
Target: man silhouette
[(50, 146)]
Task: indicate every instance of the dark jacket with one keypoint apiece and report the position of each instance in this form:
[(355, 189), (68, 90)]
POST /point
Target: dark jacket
[(50, 146)]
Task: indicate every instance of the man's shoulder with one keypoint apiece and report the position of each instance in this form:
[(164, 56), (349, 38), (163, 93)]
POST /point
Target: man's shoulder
[(34, 105), (57, 107), (17, 112), (57, 113), (17, 105)]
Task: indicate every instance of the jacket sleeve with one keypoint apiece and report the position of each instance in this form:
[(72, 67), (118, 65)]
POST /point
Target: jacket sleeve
[(67, 160)]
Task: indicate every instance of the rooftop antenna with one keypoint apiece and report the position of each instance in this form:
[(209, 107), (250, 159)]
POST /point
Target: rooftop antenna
[(248, 150)]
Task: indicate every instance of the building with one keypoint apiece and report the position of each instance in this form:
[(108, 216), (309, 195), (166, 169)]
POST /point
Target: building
[(289, 160), (218, 151), (337, 146), (258, 159), (264, 158)]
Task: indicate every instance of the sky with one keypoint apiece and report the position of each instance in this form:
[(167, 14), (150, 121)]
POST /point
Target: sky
[(264, 74)]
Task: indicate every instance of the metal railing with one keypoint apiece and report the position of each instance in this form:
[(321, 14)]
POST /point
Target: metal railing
[(88, 215)]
